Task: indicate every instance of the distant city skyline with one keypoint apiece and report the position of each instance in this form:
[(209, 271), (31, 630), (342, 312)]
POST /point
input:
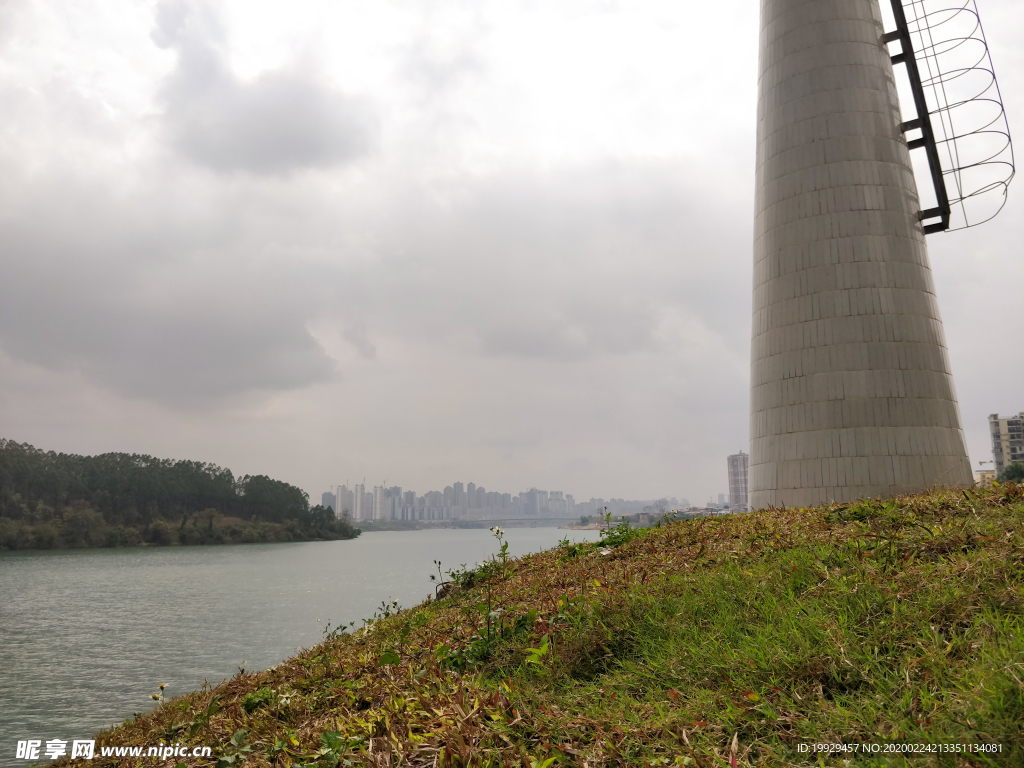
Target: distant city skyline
[(470, 501)]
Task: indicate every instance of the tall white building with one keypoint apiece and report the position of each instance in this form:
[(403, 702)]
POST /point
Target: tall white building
[(346, 502), (359, 511), (378, 503), (739, 465)]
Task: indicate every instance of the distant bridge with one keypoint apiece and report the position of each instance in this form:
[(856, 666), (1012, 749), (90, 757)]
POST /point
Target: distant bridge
[(513, 522)]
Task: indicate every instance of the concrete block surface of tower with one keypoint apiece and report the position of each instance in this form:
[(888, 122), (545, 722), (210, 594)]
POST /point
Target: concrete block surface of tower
[(851, 389)]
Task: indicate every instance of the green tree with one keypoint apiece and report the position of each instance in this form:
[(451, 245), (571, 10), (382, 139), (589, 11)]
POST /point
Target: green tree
[(1013, 473), (50, 499)]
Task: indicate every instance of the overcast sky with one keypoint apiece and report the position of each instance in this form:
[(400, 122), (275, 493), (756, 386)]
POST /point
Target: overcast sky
[(501, 242)]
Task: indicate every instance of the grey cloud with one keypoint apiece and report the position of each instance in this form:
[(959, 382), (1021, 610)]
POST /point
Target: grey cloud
[(575, 332), (356, 336), (283, 121), (169, 295), (567, 265), (192, 357), (184, 360), (95, 285)]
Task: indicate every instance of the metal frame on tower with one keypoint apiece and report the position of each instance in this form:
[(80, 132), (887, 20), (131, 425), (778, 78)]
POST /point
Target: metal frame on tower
[(952, 49), (923, 121)]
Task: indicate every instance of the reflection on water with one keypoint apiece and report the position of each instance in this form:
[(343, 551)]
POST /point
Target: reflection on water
[(87, 635)]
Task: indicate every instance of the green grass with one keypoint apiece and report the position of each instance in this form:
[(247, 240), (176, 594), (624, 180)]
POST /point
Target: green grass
[(707, 642)]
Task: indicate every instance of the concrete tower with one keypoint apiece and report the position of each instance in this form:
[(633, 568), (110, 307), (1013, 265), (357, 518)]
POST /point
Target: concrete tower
[(851, 389)]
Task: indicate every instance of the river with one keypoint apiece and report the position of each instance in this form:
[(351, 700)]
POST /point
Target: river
[(87, 635)]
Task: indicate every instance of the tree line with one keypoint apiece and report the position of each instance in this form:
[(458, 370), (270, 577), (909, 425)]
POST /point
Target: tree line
[(50, 499)]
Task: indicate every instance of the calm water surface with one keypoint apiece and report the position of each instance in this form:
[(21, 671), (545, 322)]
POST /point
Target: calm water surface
[(87, 635)]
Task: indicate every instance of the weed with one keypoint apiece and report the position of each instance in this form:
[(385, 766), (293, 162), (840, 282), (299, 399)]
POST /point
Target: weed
[(338, 631), (158, 697), (256, 699), (616, 536), (536, 655), (236, 749), (569, 551)]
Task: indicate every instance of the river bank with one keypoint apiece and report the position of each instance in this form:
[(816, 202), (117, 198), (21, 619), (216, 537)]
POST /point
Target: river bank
[(87, 634), (719, 641), (84, 529)]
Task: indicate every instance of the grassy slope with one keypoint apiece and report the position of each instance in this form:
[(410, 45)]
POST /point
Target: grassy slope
[(898, 620)]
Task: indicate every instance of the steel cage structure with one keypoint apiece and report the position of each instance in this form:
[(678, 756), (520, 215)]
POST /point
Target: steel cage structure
[(977, 159)]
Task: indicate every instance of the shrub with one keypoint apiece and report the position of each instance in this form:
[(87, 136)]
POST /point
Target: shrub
[(1013, 473)]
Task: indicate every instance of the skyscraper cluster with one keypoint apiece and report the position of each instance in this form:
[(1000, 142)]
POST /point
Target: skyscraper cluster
[(467, 502)]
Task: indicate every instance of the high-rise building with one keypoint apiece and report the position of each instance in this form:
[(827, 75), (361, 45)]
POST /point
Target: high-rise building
[(531, 502), (1007, 440), (556, 504), (359, 507), (851, 392), (346, 503), (738, 475), (387, 502), (329, 501)]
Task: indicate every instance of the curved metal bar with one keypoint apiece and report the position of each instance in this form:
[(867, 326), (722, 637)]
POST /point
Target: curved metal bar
[(937, 50)]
